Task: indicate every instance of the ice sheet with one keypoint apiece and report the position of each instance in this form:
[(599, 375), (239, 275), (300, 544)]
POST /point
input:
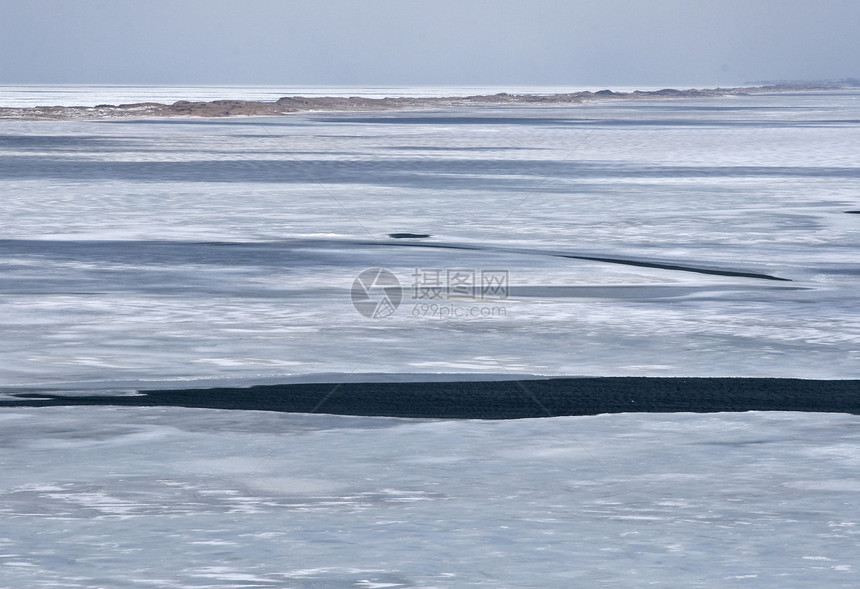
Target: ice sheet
[(226, 249), (130, 497)]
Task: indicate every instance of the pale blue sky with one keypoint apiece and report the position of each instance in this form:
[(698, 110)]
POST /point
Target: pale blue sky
[(433, 42)]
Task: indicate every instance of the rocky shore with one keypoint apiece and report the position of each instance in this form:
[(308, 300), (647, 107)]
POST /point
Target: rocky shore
[(294, 104)]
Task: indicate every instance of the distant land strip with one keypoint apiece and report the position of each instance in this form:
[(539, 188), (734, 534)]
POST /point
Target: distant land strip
[(505, 399), (295, 104)]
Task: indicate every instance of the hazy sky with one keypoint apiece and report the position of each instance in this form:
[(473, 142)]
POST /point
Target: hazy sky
[(404, 42)]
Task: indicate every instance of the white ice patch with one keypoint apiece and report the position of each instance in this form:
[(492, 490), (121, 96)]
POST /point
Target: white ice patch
[(842, 485)]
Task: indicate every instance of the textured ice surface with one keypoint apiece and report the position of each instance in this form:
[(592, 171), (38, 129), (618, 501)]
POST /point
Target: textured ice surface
[(226, 249), (192, 251), (120, 497)]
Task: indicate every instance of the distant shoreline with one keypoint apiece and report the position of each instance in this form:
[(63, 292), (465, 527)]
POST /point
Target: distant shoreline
[(299, 104)]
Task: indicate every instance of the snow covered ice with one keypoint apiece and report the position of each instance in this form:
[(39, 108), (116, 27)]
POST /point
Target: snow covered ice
[(226, 248), (204, 498), (191, 252)]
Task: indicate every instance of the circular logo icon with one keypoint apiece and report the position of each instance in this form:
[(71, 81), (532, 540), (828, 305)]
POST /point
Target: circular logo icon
[(376, 293)]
